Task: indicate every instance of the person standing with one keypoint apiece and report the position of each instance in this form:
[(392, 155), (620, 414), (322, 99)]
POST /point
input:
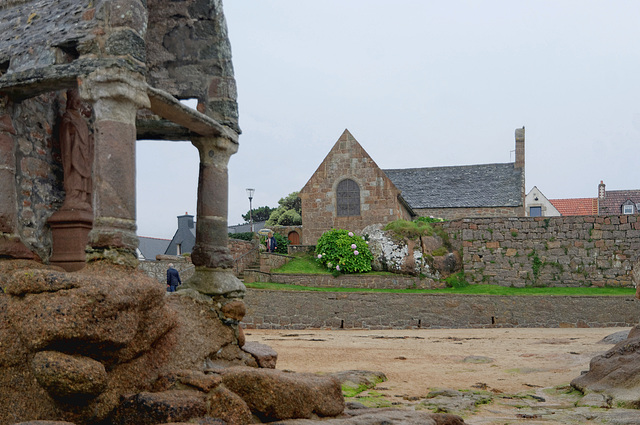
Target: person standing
[(173, 279), (271, 243)]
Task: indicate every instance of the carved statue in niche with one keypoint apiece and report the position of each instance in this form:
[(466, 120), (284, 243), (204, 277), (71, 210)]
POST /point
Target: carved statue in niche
[(76, 145)]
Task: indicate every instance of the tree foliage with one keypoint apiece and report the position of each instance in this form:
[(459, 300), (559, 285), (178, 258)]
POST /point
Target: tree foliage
[(258, 214), (289, 212)]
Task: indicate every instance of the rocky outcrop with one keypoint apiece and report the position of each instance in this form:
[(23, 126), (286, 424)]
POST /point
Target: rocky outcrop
[(383, 416), (273, 394), (426, 256), (109, 344), (613, 376)]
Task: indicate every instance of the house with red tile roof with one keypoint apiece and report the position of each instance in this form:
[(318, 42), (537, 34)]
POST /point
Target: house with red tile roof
[(576, 206), (617, 202), (608, 202)]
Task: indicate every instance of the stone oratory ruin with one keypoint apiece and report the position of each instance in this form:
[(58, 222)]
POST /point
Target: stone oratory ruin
[(85, 338)]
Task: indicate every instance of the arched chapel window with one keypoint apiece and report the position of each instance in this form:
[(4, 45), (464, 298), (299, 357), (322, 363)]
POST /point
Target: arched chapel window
[(348, 197)]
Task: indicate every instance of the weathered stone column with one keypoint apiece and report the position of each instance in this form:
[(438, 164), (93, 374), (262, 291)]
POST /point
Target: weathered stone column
[(10, 244), (210, 254), (116, 95)]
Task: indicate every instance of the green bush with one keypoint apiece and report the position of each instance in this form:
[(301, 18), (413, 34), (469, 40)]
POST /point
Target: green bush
[(457, 280), (410, 229), (343, 252), (439, 252), (244, 236), (430, 219)]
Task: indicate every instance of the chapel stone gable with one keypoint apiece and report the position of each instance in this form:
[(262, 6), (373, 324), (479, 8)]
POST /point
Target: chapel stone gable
[(348, 191)]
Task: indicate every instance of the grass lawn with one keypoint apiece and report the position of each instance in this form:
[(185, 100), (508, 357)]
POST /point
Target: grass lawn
[(308, 265)]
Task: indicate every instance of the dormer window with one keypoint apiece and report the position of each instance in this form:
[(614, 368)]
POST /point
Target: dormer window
[(627, 209)]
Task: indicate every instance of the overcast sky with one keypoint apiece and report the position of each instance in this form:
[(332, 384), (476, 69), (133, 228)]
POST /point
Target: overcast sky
[(418, 84)]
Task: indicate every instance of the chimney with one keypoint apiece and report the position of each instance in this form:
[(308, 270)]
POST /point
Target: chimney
[(519, 148), (185, 221), (601, 191)]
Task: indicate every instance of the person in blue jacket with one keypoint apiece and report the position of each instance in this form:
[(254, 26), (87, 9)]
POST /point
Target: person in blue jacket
[(271, 243), (173, 279)]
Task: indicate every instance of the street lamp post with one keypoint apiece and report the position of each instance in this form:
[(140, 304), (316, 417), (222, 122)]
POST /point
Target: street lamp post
[(250, 194)]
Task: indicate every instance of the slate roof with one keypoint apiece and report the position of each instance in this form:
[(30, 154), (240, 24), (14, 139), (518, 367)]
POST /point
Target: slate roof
[(485, 185), (150, 247), (613, 200), (576, 206), (246, 227)]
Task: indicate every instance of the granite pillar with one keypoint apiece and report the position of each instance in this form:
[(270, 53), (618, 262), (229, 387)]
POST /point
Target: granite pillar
[(116, 95), (210, 255)]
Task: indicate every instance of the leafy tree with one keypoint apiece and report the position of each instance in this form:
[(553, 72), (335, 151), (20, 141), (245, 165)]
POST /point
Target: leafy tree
[(258, 214), (289, 218), (289, 213)]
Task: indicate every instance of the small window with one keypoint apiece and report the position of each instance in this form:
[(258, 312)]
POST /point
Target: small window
[(348, 198), (627, 209), (535, 211), (178, 249)]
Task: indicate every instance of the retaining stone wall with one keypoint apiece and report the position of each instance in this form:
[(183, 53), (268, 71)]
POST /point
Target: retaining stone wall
[(303, 310), (342, 281), (548, 251), (269, 261)]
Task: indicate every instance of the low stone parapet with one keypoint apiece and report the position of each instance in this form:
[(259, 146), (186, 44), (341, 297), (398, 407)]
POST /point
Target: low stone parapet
[(269, 309), (343, 281)]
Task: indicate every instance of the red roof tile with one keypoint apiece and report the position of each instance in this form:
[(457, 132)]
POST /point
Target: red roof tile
[(576, 206)]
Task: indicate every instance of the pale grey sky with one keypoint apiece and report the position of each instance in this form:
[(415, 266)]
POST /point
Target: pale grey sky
[(418, 84)]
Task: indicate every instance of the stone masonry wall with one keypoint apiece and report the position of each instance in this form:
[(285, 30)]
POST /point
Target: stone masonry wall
[(301, 310), (548, 251), (459, 213), (244, 254), (38, 169), (342, 281), (158, 269)]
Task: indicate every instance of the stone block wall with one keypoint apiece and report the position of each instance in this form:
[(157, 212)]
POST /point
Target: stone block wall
[(459, 213), (269, 261), (38, 167), (344, 281), (548, 251), (158, 269), (239, 247), (244, 254), (323, 310), (301, 249)]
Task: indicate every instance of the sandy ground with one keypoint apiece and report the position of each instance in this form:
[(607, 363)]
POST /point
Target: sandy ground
[(415, 361)]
